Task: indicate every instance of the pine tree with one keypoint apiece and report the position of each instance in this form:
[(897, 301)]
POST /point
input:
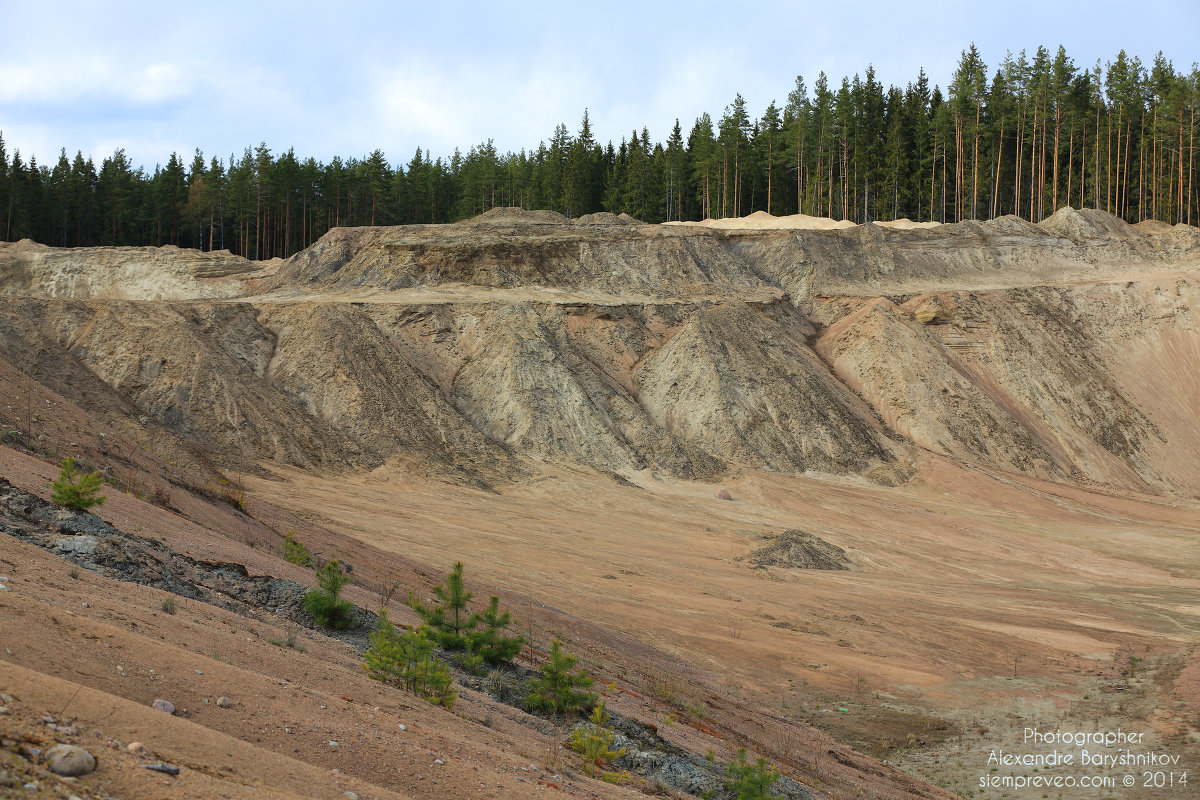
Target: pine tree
[(490, 643), (450, 621)]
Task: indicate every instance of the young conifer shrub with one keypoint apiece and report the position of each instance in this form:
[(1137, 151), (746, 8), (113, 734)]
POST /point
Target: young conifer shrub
[(559, 690), (593, 739), (749, 781), (406, 661), (325, 603), (450, 621), (75, 489), (489, 642), (295, 551)]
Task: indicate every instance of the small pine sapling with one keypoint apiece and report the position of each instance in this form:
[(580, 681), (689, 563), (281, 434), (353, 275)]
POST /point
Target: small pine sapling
[(406, 661), (325, 604), (75, 489), (749, 781), (450, 621), (490, 642), (558, 690), (593, 739), (294, 551)]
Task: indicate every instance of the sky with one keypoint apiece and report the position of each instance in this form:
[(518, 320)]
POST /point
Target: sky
[(347, 78)]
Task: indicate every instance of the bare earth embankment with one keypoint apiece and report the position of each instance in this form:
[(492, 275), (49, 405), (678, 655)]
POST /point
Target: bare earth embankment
[(995, 423)]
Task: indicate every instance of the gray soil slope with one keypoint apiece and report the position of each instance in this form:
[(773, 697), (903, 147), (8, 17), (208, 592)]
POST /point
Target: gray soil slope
[(516, 338)]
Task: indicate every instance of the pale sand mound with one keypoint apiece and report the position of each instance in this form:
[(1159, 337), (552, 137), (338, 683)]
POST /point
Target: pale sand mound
[(904, 223), (761, 220), (1153, 226)]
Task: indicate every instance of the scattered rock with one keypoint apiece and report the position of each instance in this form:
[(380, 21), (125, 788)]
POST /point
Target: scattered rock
[(723, 494), (801, 550), (403, 727), (350, 796), (5, 781), (160, 767), (333, 744), (164, 705), (224, 702), (69, 760), (199, 671), (136, 747)]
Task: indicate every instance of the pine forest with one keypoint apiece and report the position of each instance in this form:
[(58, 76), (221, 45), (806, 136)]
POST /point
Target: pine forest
[(1026, 137)]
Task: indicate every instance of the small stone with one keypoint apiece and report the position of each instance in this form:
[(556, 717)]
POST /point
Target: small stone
[(724, 494), (350, 796), (333, 743), (85, 605), (403, 727), (136, 747), (5, 781), (69, 760), (3, 710), (199, 672), (69, 730), (224, 702), (3, 588), (30, 787), (160, 767), (7, 698), (4, 579), (438, 761), (164, 705)]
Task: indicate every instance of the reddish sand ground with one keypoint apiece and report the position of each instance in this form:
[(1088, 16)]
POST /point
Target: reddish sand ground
[(973, 596)]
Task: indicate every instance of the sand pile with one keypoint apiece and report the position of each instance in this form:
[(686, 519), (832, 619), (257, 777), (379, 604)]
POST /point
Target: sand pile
[(762, 221)]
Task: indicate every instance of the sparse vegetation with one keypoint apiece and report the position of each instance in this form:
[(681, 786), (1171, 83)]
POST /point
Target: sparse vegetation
[(325, 603), (289, 640), (75, 573), (168, 605), (76, 489), (161, 497), (593, 741), (407, 661), (559, 690)]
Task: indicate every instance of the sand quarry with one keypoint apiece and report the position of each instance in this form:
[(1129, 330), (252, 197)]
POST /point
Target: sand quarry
[(992, 425)]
